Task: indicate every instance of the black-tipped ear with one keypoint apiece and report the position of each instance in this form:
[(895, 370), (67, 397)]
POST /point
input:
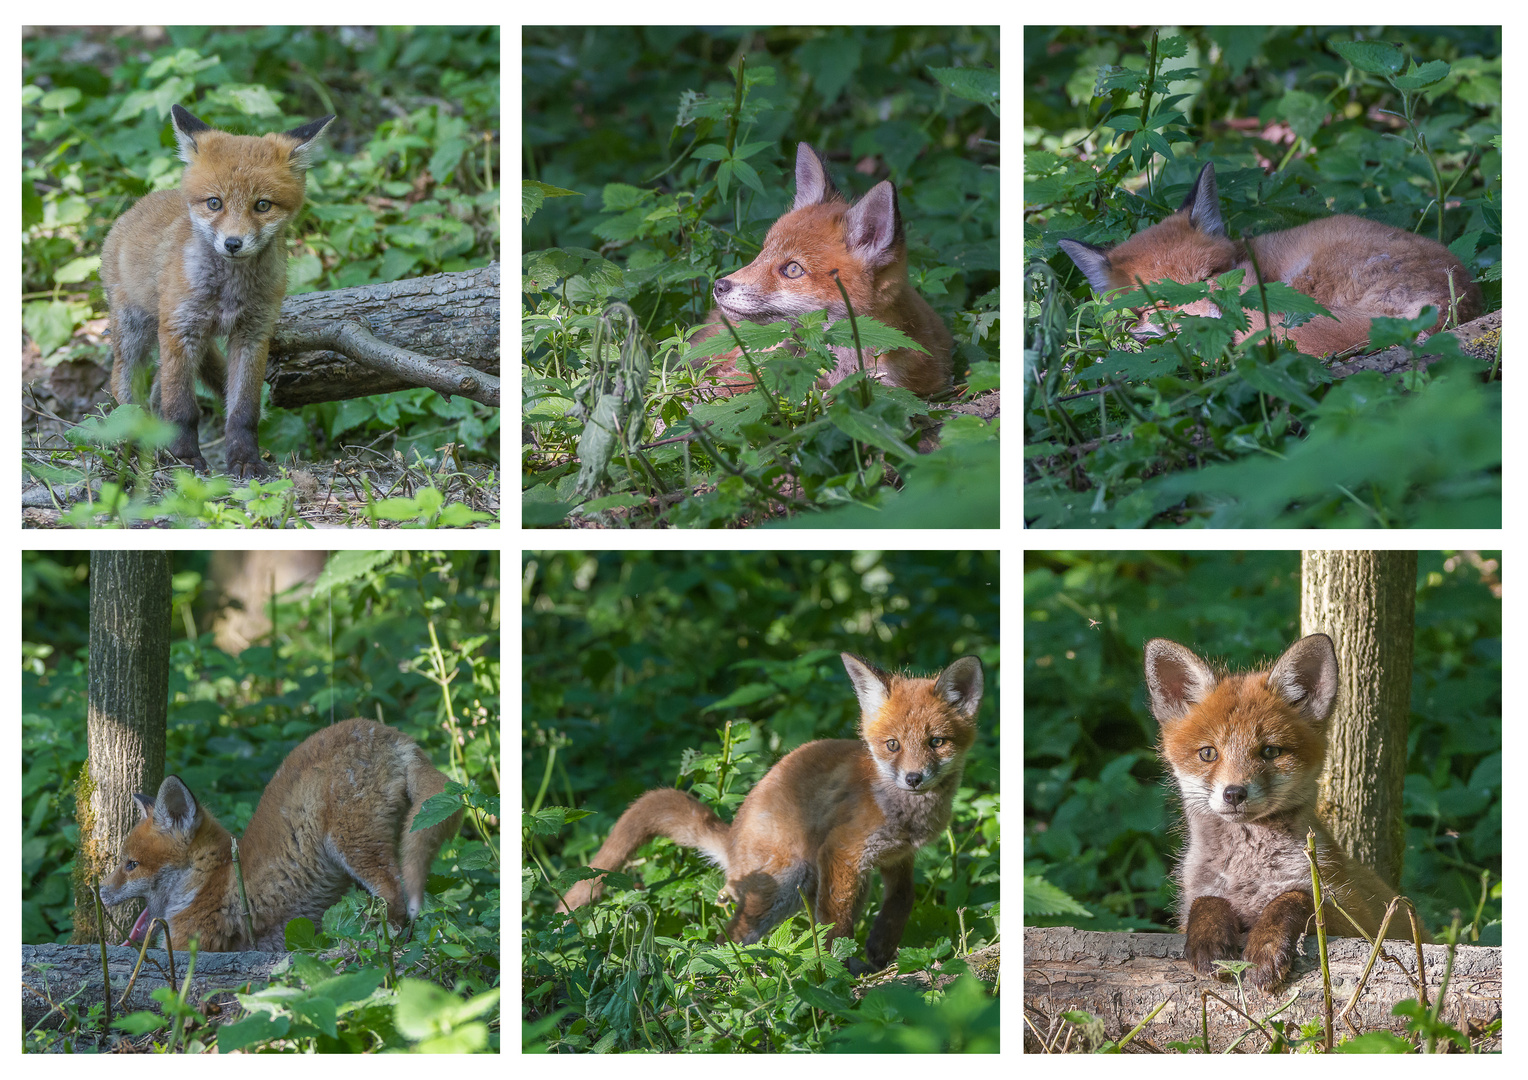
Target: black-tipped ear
[(1203, 203), (187, 128), (812, 183), (961, 685), (176, 807), (1092, 261), (874, 226), (1176, 679), (870, 683), (1306, 676)]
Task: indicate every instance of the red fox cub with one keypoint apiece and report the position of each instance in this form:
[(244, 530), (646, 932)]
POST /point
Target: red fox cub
[(338, 811), (823, 238), (827, 813), (1247, 752), (183, 267), (1356, 268)]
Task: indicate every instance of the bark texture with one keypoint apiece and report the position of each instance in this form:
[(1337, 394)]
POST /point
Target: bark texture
[(1366, 602), (1121, 978), (129, 685)]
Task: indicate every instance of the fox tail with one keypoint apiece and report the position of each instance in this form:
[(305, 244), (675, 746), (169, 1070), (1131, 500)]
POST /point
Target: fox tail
[(668, 812)]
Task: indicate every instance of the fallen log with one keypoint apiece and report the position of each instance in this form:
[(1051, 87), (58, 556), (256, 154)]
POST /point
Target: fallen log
[(1121, 978), (439, 331)]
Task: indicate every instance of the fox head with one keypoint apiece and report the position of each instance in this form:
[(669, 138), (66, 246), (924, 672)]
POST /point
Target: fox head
[(157, 856), (918, 730), (1243, 746), (243, 190), (1188, 246), (821, 240)]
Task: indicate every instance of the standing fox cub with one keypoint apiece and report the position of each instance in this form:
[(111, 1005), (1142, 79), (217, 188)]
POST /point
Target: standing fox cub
[(820, 242), (1247, 752), (339, 810), (827, 813), (183, 267), (1355, 268)]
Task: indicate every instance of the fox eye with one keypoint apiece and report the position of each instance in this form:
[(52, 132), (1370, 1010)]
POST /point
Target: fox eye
[(891, 744), (263, 205), (1207, 753), (129, 866), (214, 203), (792, 270), (937, 741), (1271, 752)]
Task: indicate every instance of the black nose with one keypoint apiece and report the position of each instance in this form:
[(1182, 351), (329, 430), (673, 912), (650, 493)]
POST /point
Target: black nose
[(233, 244), (722, 287)]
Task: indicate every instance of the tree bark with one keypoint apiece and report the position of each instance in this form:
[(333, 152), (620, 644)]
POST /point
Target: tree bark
[(1121, 978), (1366, 602), (129, 683), (72, 969), (440, 331)]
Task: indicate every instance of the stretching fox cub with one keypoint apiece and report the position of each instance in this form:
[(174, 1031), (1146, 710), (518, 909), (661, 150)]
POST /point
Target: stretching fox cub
[(827, 813), (1247, 752), (339, 810), (821, 241), (1356, 268), (208, 259)]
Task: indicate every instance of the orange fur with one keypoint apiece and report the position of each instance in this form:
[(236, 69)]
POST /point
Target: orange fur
[(828, 813), (1356, 268), (823, 238)]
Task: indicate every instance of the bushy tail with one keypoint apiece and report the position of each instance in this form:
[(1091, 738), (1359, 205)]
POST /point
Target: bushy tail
[(418, 849), (668, 812)]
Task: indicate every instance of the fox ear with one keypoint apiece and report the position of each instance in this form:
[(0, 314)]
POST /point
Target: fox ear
[(1306, 676), (1092, 261), (1203, 203), (176, 807), (812, 183), (874, 226), (307, 138), (145, 806), (961, 685), (187, 128), (870, 684), (1176, 679)]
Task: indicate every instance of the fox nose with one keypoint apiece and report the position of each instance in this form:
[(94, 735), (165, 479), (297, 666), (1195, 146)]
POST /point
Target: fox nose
[(1234, 795), (233, 244), (722, 287), (913, 779)]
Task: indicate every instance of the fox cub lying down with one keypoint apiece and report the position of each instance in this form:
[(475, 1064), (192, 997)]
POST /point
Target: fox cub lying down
[(1356, 268), (822, 241)]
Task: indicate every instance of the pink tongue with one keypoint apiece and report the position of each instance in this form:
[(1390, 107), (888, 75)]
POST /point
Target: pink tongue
[(136, 933)]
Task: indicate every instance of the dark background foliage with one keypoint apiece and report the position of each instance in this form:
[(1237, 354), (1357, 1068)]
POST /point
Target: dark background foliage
[(1098, 805)]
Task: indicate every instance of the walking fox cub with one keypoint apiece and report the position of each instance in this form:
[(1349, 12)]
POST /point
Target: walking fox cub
[(1356, 268), (823, 240), (827, 813), (1247, 752), (207, 260), (339, 810)]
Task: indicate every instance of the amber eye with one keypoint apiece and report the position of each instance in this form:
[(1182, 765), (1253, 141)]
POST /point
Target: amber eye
[(891, 744), (263, 205), (1207, 753), (1271, 752), (937, 741), (792, 270), (214, 203)]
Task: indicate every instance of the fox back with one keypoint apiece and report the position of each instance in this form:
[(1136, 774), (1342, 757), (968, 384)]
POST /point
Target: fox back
[(823, 241), (1247, 751), (1356, 268), (338, 812), (207, 260), (828, 812)]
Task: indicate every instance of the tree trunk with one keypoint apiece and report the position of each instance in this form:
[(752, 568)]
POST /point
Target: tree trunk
[(129, 683), (1366, 602), (446, 324), (1121, 978)]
